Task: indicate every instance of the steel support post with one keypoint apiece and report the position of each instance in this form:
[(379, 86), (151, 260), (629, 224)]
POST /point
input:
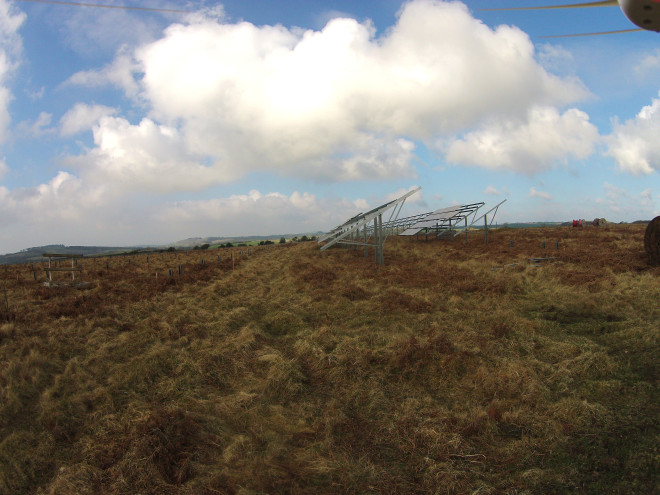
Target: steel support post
[(366, 248), (486, 228), (466, 230), (381, 259), (376, 239)]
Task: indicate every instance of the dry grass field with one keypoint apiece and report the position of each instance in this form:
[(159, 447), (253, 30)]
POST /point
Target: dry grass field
[(454, 368)]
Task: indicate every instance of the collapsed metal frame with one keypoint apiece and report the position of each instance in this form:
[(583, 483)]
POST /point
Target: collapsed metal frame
[(357, 231)]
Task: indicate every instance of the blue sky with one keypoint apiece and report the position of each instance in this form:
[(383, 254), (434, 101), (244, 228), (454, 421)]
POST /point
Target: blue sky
[(128, 127)]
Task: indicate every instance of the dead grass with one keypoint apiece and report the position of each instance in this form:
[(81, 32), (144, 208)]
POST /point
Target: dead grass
[(452, 369)]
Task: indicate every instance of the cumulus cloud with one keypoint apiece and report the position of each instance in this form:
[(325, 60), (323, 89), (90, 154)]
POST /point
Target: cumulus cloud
[(67, 210), (533, 193), (277, 213), (3, 169), (634, 145), (218, 100), (59, 199), (337, 103), (529, 146), (120, 74), (82, 117), (146, 157)]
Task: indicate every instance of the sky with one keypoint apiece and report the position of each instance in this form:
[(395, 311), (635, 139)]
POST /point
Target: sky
[(262, 117)]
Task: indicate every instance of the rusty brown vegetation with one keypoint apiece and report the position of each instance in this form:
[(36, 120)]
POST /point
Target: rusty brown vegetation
[(454, 368)]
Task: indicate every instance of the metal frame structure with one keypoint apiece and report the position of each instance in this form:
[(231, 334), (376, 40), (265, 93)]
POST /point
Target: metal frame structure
[(485, 217), (445, 221), (357, 230)]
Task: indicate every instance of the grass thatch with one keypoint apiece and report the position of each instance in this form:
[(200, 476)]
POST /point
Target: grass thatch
[(452, 369)]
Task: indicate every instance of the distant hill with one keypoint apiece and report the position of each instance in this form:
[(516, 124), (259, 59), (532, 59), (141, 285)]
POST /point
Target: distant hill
[(35, 254), (198, 241), (528, 225)]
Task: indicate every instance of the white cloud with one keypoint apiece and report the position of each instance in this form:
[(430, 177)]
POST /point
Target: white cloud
[(533, 193), (634, 145), (120, 73), (613, 193), (649, 63), (11, 20), (63, 198), (274, 213), (4, 169), (556, 58), (10, 49), (624, 204), (36, 95), (82, 117), (204, 14), (225, 99), (529, 146), (338, 103), (647, 196), (415, 199), (493, 191), (68, 210), (146, 157), (110, 28), (36, 128)]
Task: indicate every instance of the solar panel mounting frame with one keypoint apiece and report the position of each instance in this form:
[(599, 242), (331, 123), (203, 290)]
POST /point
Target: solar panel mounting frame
[(356, 231)]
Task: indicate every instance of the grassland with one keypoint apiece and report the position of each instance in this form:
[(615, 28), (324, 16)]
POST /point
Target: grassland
[(454, 368)]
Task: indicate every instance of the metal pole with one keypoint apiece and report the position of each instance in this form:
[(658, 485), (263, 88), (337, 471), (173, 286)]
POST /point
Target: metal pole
[(376, 240), (466, 230), (486, 228), (366, 248), (381, 259)]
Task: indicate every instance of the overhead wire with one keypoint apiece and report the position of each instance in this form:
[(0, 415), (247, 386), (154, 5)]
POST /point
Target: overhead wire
[(105, 6)]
